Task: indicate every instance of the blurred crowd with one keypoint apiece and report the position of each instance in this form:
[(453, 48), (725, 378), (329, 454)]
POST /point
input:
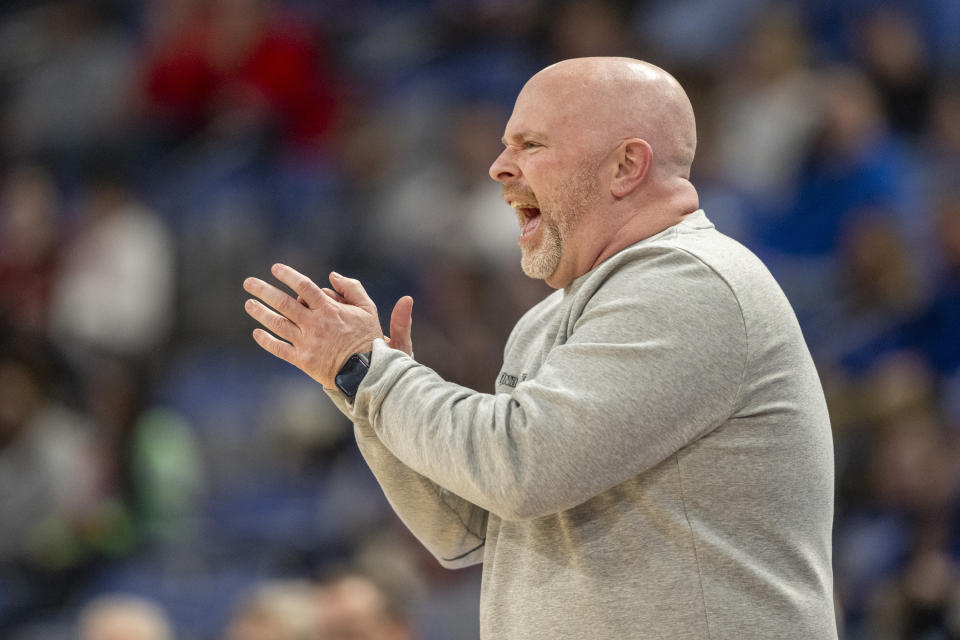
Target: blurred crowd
[(161, 477)]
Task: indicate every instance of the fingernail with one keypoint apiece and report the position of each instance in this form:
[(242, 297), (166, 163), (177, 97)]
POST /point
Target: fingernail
[(335, 274), (276, 267)]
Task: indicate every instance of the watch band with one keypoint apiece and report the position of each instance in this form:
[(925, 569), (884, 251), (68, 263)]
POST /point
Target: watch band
[(352, 372)]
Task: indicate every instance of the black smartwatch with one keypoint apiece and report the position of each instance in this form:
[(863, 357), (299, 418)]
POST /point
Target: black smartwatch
[(351, 374)]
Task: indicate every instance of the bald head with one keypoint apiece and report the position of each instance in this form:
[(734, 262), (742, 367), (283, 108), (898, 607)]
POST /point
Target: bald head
[(610, 99), (597, 156)]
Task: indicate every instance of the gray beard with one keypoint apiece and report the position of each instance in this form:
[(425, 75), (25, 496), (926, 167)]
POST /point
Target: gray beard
[(541, 262)]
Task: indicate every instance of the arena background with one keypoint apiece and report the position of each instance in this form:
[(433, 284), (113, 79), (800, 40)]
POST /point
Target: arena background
[(153, 154)]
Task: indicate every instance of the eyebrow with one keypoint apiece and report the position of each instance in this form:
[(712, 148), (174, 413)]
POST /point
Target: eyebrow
[(524, 135)]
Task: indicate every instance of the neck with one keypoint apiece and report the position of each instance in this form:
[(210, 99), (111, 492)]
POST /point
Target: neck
[(625, 222), (648, 215)]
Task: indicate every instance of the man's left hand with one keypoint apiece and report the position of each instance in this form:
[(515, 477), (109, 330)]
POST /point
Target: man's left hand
[(319, 330)]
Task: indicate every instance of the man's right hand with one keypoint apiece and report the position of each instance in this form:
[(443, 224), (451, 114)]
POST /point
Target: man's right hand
[(401, 321)]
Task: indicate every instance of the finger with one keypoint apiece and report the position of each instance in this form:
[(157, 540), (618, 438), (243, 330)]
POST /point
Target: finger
[(273, 321), (300, 283), (401, 322), (330, 293), (277, 299), (352, 292), (277, 347), (333, 295)]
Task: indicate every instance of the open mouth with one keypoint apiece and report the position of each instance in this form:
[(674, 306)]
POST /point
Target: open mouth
[(529, 217)]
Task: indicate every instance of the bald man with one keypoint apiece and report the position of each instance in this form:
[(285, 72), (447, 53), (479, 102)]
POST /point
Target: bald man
[(656, 461)]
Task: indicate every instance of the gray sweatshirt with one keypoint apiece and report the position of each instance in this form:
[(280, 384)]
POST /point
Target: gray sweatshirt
[(656, 461)]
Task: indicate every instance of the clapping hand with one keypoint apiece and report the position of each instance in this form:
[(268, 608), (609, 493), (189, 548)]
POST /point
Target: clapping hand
[(321, 328)]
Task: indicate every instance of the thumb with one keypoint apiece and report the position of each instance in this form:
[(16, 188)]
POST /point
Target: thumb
[(401, 321), (352, 291)]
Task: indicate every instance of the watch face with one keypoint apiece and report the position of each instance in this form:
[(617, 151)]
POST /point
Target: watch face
[(350, 376)]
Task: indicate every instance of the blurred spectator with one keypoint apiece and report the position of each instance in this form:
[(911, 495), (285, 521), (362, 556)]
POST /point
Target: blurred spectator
[(582, 28), (936, 330), (353, 606), (301, 429), (448, 207), (54, 506), (155, 466), (915, 479), (74, 93), (225, 237), (238, 67), (894, 56), (114, 291), (911, 471), (692, 32), (876, 267), (854, 166), (922, 601), (877, 290), (947, 236), (769, 107), (30, 244), (942, 144), (897, 386), (910, 484), (47, 457), (280, 610), (176, 77), (123, 617), (898, 489)]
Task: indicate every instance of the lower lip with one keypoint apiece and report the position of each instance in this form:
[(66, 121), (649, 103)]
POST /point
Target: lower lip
[(530, 228)]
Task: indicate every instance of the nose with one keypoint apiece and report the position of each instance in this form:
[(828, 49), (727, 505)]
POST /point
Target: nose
[(504, 169)]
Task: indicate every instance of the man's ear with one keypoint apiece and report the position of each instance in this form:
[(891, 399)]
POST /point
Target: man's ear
[(634, 160)]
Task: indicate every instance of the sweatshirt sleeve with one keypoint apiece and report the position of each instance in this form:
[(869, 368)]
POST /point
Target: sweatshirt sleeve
[(653, 360), (451, 528)]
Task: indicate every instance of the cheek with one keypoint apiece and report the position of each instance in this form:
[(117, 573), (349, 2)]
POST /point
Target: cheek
[(541, 180), (541, 169)]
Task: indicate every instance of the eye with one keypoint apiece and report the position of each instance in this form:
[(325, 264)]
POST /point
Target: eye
[(529, 144)]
